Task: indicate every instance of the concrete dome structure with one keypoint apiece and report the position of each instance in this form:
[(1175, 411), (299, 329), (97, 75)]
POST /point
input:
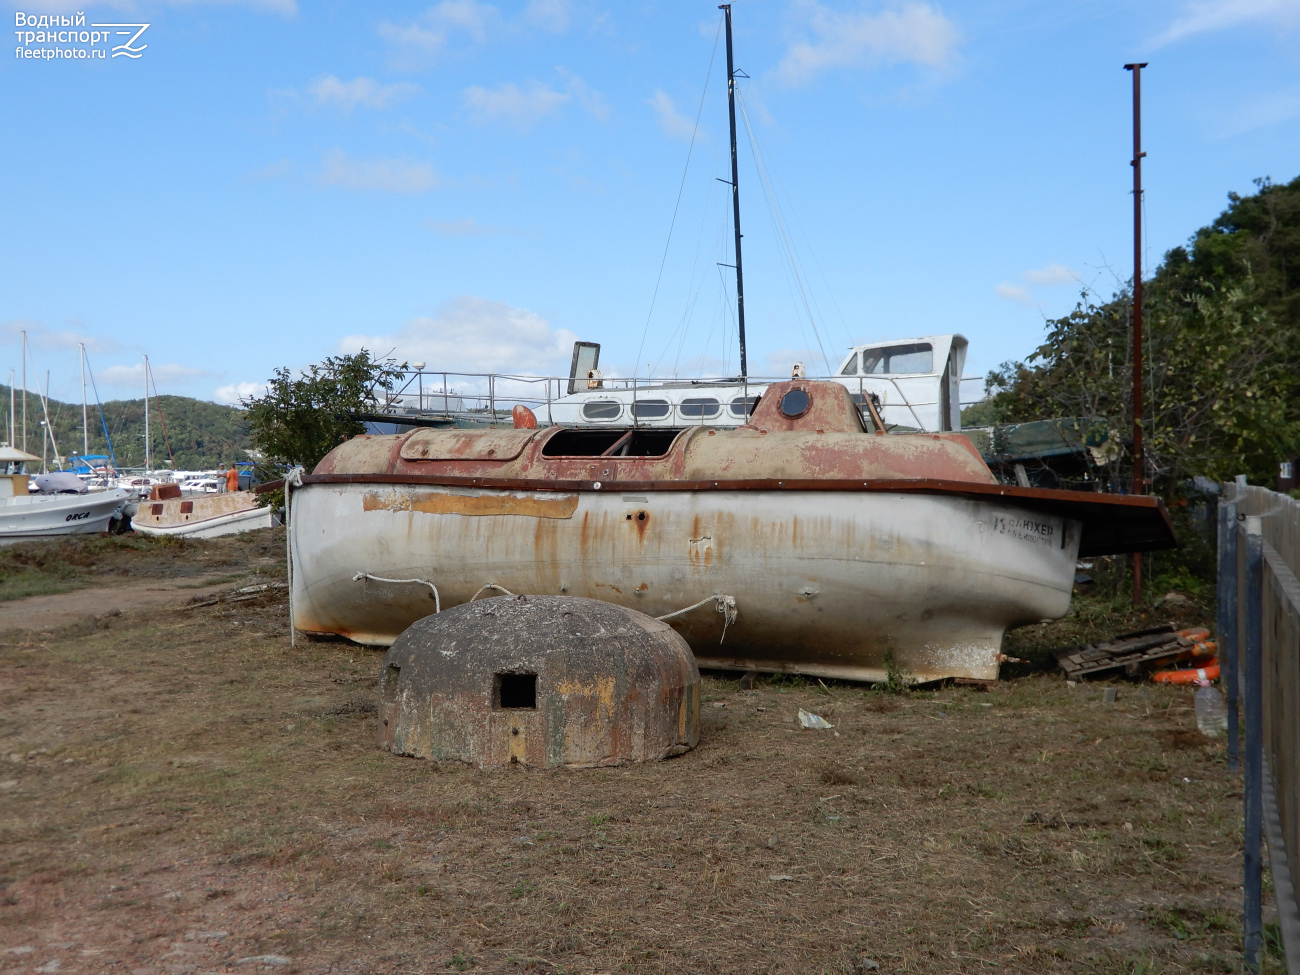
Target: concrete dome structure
[(543, 681)]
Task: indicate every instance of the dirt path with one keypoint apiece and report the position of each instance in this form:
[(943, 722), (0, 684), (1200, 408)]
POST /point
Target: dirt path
[(51, 612)]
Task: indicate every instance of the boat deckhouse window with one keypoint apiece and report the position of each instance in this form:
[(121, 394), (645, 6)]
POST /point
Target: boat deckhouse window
[(700, 406), (898, 358), (645, 443), (582, 443), (743, 405), (602, 409), (850, 367), (650, 409), (610, 443)]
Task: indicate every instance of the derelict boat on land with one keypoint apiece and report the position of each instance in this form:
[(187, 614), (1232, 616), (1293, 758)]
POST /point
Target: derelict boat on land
[(838, 546), (168, 511)]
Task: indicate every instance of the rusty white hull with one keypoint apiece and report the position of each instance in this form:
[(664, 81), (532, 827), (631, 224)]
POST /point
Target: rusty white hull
[(826, 582)]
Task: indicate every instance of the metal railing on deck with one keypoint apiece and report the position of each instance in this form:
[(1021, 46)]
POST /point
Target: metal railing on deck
[(1259, 631), (489, 397)]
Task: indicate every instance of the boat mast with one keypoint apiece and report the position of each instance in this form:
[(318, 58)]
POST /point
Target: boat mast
[(146, 415), (85, 426), (24, 390), (11, 408), (735, 193)]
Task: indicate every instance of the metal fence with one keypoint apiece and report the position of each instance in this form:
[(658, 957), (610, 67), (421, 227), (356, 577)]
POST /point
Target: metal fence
[(1259, 630)]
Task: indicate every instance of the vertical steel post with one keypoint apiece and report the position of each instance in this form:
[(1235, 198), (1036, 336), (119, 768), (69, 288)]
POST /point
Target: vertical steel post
[(1253, 543), (1226, 615), (1138, 486)]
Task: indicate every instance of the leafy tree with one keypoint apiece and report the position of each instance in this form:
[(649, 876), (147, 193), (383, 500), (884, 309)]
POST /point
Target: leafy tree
[(303, 417), (1221, 355)]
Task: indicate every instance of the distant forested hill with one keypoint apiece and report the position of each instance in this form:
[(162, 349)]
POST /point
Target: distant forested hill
[(201, 434)]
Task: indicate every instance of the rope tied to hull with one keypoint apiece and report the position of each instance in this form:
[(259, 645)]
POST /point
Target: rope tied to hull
[(292, 479), (726, 605), (437, 599), (491, 585)]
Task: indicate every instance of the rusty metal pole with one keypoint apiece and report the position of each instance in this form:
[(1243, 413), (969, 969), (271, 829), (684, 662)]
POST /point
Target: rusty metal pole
[(1139, 487)]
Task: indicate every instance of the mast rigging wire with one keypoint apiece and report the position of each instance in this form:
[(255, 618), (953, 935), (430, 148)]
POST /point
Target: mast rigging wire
[(780, 226), (681, 186)]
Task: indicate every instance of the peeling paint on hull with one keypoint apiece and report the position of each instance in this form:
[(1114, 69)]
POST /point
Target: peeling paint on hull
[(826, 582)]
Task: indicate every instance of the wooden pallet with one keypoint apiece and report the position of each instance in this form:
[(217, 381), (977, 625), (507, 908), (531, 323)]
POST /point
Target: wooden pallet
[(1130, 651)]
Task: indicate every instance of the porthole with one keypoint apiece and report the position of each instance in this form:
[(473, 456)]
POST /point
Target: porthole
[(602, 409), (794, 403), (650, 409)]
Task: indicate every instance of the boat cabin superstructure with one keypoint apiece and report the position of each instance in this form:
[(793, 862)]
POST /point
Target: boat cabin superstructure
[(915, 383), (13, 472)]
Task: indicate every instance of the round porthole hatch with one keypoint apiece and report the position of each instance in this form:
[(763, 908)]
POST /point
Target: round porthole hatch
[(794, 403)]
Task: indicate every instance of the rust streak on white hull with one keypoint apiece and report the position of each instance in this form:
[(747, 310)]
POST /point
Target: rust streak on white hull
[(826, 582)]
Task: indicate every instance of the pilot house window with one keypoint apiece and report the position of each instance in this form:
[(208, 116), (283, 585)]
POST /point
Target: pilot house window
[(917, 358)]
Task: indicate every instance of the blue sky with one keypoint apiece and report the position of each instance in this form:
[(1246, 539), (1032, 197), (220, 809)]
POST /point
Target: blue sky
[(475, 185)]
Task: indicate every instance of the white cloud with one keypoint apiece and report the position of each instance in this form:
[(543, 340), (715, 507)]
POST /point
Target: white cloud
[(1052, 274), (360, 92), (1209, 16), (469, 334), (386, 175), (286, 8), (674, 124), (913, 32), (469, 227), (552, 15), (163, 374), (1258, 113), (1014, 292), (525, 107), (276, 170), (418, 43), (235, 393), (42, 337)]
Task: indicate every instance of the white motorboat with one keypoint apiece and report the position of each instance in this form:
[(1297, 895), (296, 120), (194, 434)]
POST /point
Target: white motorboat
[(25, 516)]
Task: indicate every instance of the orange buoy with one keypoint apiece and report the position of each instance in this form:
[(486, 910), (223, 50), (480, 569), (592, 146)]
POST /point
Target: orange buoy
[(1209, 672)]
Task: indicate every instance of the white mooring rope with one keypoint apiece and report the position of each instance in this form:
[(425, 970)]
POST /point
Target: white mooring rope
[(490, 585), (726, 605), (437, 599), (292, 480)]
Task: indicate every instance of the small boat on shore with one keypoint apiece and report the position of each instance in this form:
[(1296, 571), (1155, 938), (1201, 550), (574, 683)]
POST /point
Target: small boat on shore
[(168, 511), (802, 541), (57, 509)]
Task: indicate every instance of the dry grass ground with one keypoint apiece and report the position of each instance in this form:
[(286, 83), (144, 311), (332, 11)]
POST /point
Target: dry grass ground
[(183, 792)]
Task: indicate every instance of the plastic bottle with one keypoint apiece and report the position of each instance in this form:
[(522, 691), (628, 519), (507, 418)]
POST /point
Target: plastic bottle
[(1211, 710)]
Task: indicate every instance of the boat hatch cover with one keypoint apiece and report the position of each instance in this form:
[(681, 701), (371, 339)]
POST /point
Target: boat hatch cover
[(466, 445)]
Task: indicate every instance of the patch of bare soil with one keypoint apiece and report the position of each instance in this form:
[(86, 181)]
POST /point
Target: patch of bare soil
[(51, 612), (184, 792)]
